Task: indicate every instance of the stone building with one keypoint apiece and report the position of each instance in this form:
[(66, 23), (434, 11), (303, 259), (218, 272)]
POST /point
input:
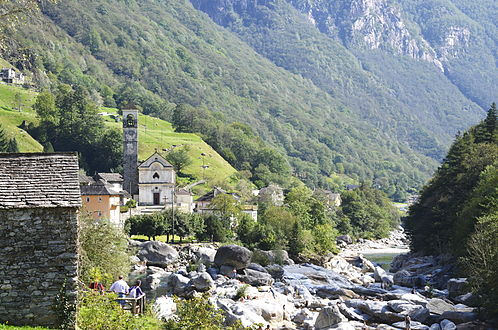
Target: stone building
[(157, 180), (130, 151), (10, 76), (39, 205)]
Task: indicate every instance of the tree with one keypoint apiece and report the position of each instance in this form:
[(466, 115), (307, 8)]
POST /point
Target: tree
[(179, 158), (69, 121), (12, 145), (103, 248), (4, 142)]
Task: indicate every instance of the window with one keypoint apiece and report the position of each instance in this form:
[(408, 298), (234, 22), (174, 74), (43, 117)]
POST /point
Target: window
[(100, 213), (100, 199), (88, 199), (156, 175)]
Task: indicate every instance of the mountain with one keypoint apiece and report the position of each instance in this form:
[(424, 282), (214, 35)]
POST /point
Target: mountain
[(378, 102)]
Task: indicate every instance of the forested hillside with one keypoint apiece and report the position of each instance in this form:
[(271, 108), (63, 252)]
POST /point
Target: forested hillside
[(457, 212), (329, 106)]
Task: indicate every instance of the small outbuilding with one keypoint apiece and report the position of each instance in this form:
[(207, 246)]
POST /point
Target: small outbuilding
[(39, 206)]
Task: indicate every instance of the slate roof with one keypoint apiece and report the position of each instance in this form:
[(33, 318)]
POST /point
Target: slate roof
[(111, 177), (39, 180), (97, 189)]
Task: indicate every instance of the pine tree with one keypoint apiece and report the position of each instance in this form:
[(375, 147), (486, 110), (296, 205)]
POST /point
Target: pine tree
[(4, 142), (12, 145)]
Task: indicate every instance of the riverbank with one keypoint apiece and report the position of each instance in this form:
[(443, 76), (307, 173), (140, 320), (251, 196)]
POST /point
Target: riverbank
[(348, 292)]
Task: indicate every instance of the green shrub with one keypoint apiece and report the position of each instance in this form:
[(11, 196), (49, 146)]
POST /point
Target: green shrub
[(198, 313), (99, 312)]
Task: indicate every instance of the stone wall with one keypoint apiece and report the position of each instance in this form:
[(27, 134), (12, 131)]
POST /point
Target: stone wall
[(38, 252)]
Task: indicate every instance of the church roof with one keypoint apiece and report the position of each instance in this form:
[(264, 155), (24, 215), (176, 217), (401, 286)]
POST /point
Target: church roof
[(111, 177), (39, 180), (155, 157)]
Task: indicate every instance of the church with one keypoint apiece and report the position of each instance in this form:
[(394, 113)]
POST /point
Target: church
[(152, 182)]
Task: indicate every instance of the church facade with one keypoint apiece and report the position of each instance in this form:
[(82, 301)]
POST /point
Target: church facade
[(156, 181)]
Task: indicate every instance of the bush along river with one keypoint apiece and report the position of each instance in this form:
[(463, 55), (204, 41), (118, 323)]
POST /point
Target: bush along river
[(345, 291)]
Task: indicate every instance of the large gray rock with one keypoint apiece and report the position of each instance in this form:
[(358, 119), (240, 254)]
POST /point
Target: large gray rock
[(255, 278), (257, 267), (204, 255), (378, 310), (405, 278), (447, 325), (178, 284), (468, 299), (164, 308), (233, 255), (344, 238), (439, 306), (158, 254), (457, 287), (276, 271), (329, 317), (202, 282), (459, 317)]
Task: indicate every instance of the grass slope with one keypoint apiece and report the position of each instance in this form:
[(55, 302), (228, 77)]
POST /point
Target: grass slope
[(156, 134), (11, 117)]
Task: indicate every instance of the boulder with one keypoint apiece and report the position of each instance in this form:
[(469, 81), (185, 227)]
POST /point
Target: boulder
[(156, 253), (439, 306), (366, 280), (344, 238), (405, 278), (378, 310), (276, 271), (164, 308), (202, 282), (435, 326), (366, 265), (203, 255), (257, 267), (255, 278), (303, 315), (468, 299), (447, 325), (178, 283), (233, 255), (328, 317), (457, 287), (459, 317), (333, 292)]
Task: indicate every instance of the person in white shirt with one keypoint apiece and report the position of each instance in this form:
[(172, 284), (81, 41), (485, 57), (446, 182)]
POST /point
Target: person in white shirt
[(120, 287)]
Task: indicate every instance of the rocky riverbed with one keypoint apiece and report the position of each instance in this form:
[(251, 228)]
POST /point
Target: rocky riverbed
[(346, 292)]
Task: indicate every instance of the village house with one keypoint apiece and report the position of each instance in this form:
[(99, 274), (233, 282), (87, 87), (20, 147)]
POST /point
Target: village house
[(203, 203), (10, 76), (101, 201), (39, 207)]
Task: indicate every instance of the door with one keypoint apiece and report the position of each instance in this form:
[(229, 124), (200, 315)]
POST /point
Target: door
[(156, 198)]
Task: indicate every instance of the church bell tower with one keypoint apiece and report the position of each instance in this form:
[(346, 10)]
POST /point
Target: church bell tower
[(130, 151)]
